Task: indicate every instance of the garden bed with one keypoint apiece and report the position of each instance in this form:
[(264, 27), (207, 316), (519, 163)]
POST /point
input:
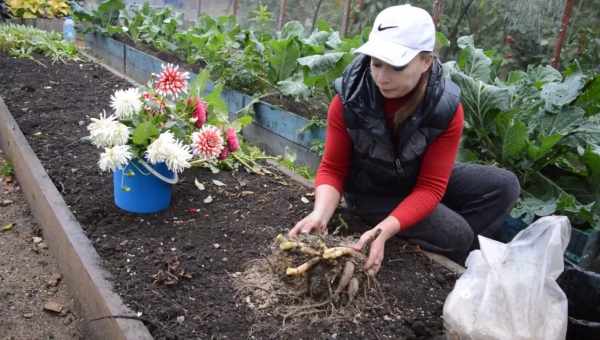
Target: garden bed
[(212, 241)]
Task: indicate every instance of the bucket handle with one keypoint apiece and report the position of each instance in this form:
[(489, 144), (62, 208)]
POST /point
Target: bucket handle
[(173, 180)]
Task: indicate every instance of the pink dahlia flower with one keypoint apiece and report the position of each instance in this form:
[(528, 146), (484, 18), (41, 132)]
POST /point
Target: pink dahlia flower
[(232, 140), (171, 81), (199, 112), (208, 142), (224, 154)]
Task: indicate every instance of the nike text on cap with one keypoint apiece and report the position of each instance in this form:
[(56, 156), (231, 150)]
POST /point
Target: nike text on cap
[(399, 33)]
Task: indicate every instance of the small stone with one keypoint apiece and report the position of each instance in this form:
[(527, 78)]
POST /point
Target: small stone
[(5, 203), (37, 240), (387, 318), (124, 243), (180, 319), (42, 245), (218, 183), (28, 315), (54, 280), (208, 200), (217, 246), (224, 259), (68, 320), (53, 306)]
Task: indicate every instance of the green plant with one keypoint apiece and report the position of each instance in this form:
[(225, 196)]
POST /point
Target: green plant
[(289, 161), (103, 20), (154, 27), (542, 125), (31, 9), (6, 169), (24, 42)]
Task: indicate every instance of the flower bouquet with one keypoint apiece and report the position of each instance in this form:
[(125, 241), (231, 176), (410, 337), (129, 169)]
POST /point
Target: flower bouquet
[(156, 132)]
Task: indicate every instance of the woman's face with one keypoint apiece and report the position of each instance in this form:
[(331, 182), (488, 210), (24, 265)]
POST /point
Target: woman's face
[(397, 82)]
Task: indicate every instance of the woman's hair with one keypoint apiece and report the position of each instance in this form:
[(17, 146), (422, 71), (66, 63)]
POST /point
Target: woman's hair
[(413, 98)]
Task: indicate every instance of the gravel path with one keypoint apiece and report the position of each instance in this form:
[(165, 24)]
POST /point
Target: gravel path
[(34, 302)]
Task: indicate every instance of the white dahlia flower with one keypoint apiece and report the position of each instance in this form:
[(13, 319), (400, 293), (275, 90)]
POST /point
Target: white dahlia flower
[(167, 149), (106, 132), (126, 103), (115, 158)]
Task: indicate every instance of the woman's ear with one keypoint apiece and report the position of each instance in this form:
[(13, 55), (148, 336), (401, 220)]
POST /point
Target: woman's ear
[(426, 61)]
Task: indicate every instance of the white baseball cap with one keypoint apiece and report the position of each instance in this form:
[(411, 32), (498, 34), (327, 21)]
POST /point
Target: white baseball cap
[(399, 33)]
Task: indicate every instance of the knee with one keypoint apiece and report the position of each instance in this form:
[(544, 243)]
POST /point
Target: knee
[(508, 188)]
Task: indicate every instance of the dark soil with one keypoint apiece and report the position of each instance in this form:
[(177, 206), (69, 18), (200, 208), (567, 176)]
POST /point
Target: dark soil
[(212, 241)]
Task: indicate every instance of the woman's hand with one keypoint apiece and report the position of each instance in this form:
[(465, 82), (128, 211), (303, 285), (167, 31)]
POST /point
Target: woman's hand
[(376, 237), (314, 222)]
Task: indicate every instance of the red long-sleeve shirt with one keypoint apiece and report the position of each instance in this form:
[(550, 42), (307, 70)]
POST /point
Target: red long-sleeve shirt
[(437, 164)]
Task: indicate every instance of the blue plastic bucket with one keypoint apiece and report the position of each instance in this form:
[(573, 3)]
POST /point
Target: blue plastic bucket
[(143, 188)]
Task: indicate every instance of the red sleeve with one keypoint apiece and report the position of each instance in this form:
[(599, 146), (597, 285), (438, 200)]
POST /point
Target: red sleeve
[(436, 167), (338, 148)]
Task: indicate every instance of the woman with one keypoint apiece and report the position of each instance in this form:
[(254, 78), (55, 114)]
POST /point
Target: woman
[(393, 134)]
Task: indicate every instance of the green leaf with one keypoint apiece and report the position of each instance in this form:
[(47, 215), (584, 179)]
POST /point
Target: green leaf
[(321, 62), (323, 25), (292, 29), (536, 152), (591, 158), (530, 207), (198, 85), (515, 140), (441, 41), (473, 61), (217, 106), (540, 75), (589, 100), (242, 121), (144, 132), (282, 56), (560, 94), (564, 122), (294, 86), (567, 203), (334, 41), (317, 38)]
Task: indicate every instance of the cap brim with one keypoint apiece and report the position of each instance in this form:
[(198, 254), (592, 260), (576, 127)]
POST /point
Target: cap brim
[(390, 53)]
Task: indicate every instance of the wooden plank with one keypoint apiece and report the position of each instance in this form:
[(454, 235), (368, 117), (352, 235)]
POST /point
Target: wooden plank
[(78, 260)]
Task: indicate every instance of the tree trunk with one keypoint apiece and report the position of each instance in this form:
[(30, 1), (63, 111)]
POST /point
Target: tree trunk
[(438, 11), (282, 12), (454, 33), (359, 5), (236, 7), (316, 15), (562, 34), (346, 17)]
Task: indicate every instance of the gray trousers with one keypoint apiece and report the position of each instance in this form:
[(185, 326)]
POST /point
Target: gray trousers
[(477, 200)]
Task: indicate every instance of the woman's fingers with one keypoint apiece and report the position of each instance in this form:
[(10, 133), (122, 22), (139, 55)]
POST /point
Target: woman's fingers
[(375, 259), (363, 240)]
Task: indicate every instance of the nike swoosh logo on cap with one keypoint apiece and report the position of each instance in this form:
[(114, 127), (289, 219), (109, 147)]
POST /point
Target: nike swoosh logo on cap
[(381, 28)]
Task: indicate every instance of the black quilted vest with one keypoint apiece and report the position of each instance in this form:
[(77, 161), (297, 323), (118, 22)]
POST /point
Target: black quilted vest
[(384, 168)]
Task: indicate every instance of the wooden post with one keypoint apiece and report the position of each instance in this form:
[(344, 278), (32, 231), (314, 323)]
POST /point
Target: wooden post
[(438, 11), (346, 17), (562, 34), (282, 13)]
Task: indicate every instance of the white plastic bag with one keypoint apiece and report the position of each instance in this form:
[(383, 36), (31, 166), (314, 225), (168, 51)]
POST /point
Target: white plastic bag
[(509, 291)]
